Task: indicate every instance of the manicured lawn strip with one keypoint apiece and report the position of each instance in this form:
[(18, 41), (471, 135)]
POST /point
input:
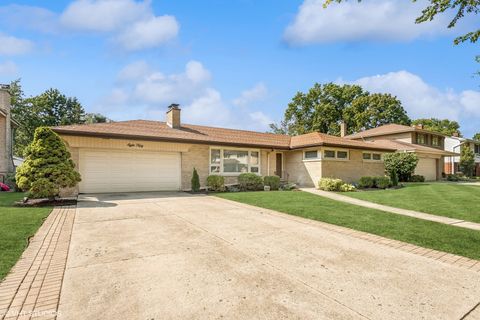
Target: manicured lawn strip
[(423, 233), (441, 199), (16, 226)]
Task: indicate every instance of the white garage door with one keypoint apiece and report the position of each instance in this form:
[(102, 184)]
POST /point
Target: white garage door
[(427, 167), (106, 170)]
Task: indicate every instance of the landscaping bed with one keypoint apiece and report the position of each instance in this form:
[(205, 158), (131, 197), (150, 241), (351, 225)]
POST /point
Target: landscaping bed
[(423, 233)]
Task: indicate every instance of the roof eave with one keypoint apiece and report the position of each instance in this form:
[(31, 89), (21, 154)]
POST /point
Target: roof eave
[(163, 139)]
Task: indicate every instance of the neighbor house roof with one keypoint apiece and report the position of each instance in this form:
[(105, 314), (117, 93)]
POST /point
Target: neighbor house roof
[(405, 146), (387, 130), (160, 131), (319, 139)]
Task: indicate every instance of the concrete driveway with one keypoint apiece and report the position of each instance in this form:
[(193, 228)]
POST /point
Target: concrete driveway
[(175, 256)]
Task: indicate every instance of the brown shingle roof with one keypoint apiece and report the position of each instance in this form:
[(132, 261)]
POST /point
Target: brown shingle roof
[(319, 139), (155, 130), (405, 146), (386, 130)]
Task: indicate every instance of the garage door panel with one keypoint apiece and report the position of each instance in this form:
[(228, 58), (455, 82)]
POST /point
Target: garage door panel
[(123, 171)]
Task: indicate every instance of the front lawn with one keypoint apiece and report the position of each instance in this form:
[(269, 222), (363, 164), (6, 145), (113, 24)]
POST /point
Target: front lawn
[(423, 233), (442, 199), (16, 226)]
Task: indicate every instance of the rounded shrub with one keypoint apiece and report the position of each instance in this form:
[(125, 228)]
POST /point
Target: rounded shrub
[(417, 178), (366, 182), (346, 187), (383, 182), (272, 181), (216, 183), (250, 182), (330, 184)]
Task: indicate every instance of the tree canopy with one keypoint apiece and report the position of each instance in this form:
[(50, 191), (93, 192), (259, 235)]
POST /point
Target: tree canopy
[(476, 136), (325, 106), (460, 9), (444, 126), (51, 108)]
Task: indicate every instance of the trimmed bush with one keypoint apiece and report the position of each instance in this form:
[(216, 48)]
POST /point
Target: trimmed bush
[(394, 178), (383, 182), (195, 181), (47, 167), (272, 181), (417, 178), (216, 183), (330, 184), (346, 187), (366, 182), (403, 163), (250, 182)]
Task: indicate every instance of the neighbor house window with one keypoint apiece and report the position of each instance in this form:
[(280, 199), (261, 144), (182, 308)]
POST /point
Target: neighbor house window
[(335, 154), (369, 156), (435, 141), (477, 148), (421, 138), (233, 161), (311, 154)]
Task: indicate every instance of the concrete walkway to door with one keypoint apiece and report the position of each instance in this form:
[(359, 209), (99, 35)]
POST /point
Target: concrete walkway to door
[(403, 212), (177, 256)]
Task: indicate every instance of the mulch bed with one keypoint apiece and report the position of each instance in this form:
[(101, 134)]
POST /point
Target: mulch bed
[(46, 202)]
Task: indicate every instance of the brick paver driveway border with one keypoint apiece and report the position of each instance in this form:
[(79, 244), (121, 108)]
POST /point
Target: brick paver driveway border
[(32, 288)]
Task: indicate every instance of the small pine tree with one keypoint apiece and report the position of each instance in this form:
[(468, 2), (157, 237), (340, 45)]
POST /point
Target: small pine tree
[(47, 167), (467, 160), (195, 181)]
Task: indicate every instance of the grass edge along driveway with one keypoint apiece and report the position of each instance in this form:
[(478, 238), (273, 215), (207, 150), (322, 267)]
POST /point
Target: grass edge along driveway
[(423, 233), (438, 198), (17, 224)]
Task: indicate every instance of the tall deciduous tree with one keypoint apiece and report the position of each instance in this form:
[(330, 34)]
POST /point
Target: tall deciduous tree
[(444, 126), (324, 106), (51, 108), (476, 136)]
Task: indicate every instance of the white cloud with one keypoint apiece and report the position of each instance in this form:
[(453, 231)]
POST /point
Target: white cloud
[(8, 68), (148, 92), (29, 17), (390, 20), (149, 33), (104, 15), (258, 92), (11, 46), (422, 100)]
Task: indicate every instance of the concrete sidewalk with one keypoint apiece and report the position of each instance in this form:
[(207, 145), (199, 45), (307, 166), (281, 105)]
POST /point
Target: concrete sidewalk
[(403, 212)]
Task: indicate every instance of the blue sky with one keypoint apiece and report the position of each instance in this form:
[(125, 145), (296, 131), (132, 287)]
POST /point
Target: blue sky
[(236, 63)]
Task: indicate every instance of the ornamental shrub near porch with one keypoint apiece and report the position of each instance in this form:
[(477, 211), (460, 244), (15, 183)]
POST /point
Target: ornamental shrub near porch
[(403, 163), (47, 167)]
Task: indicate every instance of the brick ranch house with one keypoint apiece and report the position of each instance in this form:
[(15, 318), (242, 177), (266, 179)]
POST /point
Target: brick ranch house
[(142, 155)]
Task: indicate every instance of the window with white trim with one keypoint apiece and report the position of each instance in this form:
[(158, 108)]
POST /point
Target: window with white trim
[(234, 161), (335, 154), (312, 154)]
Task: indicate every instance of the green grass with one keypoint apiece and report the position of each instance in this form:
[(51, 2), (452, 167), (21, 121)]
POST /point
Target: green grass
[(16, 226), (423, 233), (441, 199)]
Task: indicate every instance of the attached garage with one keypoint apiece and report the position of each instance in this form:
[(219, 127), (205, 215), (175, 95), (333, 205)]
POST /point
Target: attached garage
[(427, 167), (110, 170)]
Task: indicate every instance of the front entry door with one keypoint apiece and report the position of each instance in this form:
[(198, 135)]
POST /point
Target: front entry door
[(279, 162)]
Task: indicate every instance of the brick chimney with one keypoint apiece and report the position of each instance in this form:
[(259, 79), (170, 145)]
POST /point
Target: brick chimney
[(418, 126), (173, 116), (6, 158), (456, 134), (343, 129)]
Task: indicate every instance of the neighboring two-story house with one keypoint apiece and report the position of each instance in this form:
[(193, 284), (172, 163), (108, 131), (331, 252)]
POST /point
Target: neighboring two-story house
[(6, 133), (455, 144), (429, 146)]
